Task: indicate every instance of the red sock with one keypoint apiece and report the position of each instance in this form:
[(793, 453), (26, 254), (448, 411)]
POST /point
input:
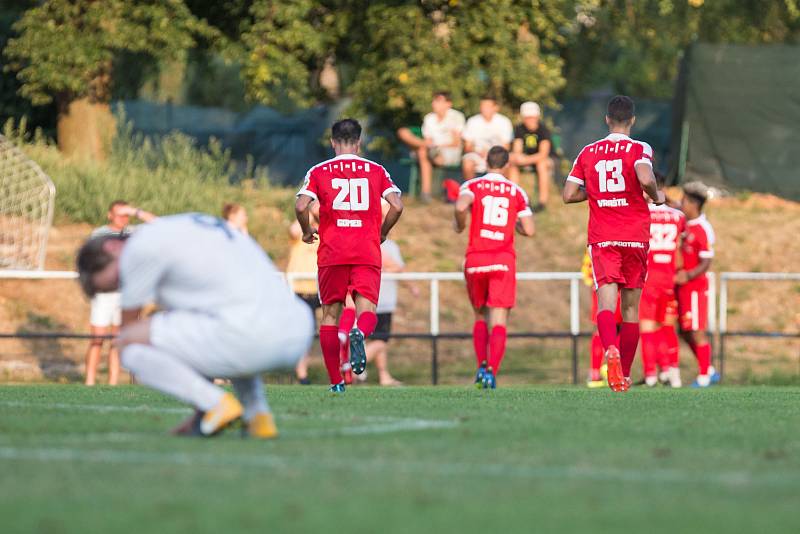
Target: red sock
[(346, 322), (367, 322), (607, 328), (670, 338), (597, 356), (650, 352), (480, 341), (628, 340), (329, 341), (703, 353), (497, 347)]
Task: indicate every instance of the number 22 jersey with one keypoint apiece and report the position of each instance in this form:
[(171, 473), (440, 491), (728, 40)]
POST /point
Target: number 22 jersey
[(618, 212), (349, 189)]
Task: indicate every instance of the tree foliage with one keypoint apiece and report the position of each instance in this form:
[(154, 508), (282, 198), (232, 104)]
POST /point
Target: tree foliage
[(66, 48)]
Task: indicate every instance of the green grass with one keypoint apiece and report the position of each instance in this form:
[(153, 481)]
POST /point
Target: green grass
[(423, 459)]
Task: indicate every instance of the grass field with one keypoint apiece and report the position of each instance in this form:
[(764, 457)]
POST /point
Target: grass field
[(422, 459)]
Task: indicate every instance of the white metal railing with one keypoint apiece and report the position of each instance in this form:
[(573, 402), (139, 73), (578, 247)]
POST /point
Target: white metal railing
[(728, 276)]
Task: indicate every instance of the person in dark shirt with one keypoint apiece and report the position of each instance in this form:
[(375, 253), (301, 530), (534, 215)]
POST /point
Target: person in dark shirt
[(531, 150)]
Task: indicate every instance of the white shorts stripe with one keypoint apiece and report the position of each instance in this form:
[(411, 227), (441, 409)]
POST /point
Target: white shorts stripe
[(695, 312), (591, 260)]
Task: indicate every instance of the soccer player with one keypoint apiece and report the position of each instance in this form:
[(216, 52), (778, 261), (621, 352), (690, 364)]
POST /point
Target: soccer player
[(658, 307), (697, 251), (611, 174), (497, 207), (225, 312), (349, 189)]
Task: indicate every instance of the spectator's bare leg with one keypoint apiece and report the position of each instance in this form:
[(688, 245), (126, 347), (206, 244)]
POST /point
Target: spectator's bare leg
[(513, 173), (410, 140), (467, 169), (113, 361), (378, 351), (93, 354), (425, 171), (544, 169), (301, 369)]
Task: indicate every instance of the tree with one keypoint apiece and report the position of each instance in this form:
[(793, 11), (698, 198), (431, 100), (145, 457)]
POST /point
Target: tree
[(392, 55), (66, 50)]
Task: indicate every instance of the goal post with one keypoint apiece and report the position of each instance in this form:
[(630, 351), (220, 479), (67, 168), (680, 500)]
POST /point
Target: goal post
[(27, 197)]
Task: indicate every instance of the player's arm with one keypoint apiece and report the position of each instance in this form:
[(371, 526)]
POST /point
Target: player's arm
[(393, 215), (301, 211), (573, 192), (681, 277), (525, 225), (647, 179), (462, 208)]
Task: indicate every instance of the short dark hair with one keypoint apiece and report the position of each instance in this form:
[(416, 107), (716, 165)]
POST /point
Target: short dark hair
[(93, 258), (444, 94), (116, 203), (621, 109), (497, 157), (229, 208), (489, 97), (346, 131), (696, 192)]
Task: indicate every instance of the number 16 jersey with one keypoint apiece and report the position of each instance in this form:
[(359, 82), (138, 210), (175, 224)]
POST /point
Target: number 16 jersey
[(349, 189), (497, 203), (618, 212)]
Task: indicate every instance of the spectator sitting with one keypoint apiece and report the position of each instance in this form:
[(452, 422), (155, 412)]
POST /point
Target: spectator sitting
[(106, 311), (303, 259), (441, 130), (531, 150), (236, 216), (482, 132)]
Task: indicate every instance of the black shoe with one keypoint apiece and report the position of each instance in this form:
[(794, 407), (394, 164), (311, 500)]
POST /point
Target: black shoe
[(304, 381)]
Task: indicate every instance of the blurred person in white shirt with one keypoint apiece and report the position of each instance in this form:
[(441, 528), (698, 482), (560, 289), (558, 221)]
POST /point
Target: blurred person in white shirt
[(106, 316), (483, 131)]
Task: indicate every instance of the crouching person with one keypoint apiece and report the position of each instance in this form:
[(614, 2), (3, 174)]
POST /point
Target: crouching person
[(224, 312)]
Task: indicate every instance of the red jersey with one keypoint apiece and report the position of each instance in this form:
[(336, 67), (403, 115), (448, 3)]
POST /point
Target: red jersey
[(618, 213), (349, 190), (698, 244), (497, 203), (666, 227)]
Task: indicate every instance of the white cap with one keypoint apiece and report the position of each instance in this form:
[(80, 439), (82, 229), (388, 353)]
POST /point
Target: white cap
[(530, 109)]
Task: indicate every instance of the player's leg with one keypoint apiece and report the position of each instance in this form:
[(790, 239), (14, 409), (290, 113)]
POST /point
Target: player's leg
[(629, 331), (257, 414), (694, 321), (333, 282), (477, 285), (93, 353), (480, 336), (651, 341), (670, 338), (498, 318), (346, 322), (365, 281)]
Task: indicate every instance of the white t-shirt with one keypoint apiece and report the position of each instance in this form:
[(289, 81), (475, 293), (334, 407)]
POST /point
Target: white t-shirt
[(197, 262), (446, 131), (484, 135), (387, 301)]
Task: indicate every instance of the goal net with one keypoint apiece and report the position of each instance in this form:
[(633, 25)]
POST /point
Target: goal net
[(26, 209)]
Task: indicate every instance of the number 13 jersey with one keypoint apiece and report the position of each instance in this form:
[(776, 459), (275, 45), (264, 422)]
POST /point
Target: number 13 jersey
[(349, 189), (497, 203), (618, 212)]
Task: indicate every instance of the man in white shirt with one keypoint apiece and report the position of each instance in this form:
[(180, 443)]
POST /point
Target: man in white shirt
[(106, 316), (440, 144), (483, 131), (225, 312)]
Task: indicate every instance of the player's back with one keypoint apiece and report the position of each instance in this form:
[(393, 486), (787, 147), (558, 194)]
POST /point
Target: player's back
[(666, 226), (618, 211), (198, 262), (349, 189), (698, 243), (497, 204)]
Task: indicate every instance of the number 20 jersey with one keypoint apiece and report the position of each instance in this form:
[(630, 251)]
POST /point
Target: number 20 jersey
[(349, 189), (497, 204), (618, 213)]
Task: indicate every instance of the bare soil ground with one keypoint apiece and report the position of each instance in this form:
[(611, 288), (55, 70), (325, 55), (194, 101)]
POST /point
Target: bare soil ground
[(754, 233)]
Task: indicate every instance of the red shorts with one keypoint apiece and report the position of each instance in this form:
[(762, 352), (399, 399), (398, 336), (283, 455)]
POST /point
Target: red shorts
[(657, 303), (625, 266), (693, 307), (494, 286), (336, 281)]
